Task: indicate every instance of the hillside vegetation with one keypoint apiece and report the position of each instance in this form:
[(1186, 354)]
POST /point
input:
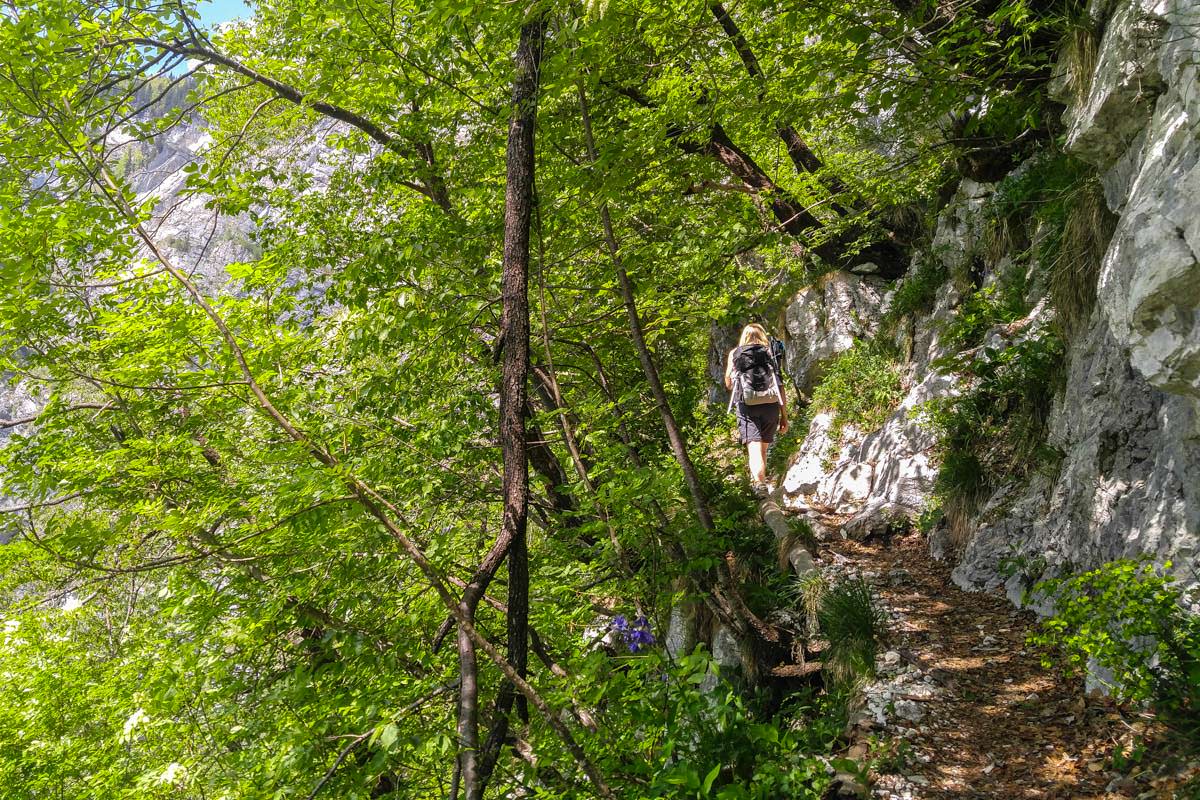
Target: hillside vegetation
[(407, 499)]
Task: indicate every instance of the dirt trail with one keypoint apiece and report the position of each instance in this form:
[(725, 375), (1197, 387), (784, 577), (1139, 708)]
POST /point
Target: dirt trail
[(980, 716)]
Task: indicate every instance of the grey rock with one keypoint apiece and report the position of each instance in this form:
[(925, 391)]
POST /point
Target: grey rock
[(1127, 484), (960, 225), (721, 339), (825, 319), (939, 543), (1140, 120), (878, 479), (847, 787), (910, 710), (1150, 278), (1122, 87), (1122, 784), (682, 630), (726, 649)]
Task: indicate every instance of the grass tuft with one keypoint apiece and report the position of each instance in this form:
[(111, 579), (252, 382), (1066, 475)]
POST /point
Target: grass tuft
[(1076, 253), (855, 626)]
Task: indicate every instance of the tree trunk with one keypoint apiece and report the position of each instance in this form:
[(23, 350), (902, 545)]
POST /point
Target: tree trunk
[(803, 158), (514, 322)]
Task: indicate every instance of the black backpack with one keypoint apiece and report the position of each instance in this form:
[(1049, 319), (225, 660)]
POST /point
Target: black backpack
[(755, 376), (779, 353)]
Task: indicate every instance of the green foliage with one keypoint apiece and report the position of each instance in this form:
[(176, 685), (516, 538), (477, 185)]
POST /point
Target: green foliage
[(855, 625), (995, 430), (715, 742), (192, 604), (861, 387), (1128, 617), (916, 291)]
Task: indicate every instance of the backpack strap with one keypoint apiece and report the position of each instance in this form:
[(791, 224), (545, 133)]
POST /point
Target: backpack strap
[(736, 383)]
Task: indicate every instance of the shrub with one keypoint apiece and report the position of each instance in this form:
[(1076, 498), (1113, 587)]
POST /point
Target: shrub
[(1127, 617), (706, 739), (861, 387), (996, 430), (855, 626), (916, 291)]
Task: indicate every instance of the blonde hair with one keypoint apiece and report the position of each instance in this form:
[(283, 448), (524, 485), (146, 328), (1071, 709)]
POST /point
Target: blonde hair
[(754, 334)]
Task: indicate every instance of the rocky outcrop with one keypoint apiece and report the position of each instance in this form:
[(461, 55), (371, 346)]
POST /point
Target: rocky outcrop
[(1109, 102), (1127, 424), (1141, 122), (1128, 485), (825, 319), (869, 482)]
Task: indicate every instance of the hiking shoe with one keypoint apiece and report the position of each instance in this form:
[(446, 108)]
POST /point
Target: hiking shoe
[(760, 489)]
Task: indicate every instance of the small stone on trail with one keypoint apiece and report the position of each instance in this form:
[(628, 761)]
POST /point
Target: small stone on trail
[(907, 709), (1123, 784), (847, 787)]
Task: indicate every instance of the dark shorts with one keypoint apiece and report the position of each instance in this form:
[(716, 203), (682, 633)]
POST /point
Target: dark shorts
[(757, 423)]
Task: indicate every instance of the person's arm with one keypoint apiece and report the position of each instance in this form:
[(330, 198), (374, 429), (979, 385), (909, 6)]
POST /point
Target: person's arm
[(729, 369)]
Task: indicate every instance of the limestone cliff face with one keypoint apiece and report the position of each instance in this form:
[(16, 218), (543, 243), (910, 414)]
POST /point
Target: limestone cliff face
[(1130, 481), (1128, 422)]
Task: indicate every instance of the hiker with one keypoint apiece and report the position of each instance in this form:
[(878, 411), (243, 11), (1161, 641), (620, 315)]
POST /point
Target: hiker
[(753, 378)]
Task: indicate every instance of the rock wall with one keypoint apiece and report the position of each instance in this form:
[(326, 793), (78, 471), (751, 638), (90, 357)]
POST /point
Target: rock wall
[(1128, 421), (825, 319)]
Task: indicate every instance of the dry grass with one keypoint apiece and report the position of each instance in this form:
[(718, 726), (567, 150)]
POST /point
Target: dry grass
[(1075, 269), (1080, 53), (958, 514)]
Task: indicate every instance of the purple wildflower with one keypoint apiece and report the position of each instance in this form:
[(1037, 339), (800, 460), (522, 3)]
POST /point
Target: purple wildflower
[(637, 636)]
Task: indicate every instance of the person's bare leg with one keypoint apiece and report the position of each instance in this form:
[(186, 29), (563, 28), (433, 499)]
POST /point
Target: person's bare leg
[(758, 461)]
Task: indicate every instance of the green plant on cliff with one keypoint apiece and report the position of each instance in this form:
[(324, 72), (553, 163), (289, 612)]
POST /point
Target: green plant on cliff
[(916, 291), (983, 309), (995, 430), (861, 387), (1052, 212), (1128, 617)]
